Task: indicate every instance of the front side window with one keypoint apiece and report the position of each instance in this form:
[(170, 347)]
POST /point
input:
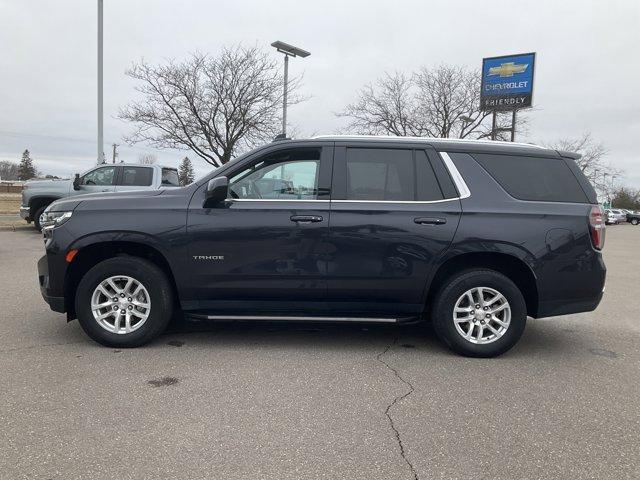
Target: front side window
[(100, 176), (137, 176), (288, 175), (384, 174)]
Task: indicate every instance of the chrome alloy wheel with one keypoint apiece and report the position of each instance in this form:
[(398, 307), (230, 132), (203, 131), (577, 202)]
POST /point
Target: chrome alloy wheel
[(120, 304), (482, 315)]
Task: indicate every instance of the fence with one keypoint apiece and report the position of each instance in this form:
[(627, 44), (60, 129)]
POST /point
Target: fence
[(10, 187)]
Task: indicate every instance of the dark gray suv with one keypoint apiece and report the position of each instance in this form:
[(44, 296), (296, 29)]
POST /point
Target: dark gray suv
[(474, 236)]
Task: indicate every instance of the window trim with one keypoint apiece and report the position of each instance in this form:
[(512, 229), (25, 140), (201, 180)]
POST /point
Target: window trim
[(456, 176)]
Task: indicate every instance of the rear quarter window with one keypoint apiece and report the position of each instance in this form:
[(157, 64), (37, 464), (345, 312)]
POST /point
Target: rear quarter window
[(533, 178)]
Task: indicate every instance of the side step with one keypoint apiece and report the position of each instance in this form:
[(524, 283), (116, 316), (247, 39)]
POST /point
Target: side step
[(285, 318)]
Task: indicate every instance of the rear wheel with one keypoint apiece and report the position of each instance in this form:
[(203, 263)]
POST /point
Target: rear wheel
[(634, 221), (479, 313), (124, 302)]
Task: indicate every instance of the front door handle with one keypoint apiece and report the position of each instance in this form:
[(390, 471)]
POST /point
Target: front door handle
[(430, 221), (306, 218)]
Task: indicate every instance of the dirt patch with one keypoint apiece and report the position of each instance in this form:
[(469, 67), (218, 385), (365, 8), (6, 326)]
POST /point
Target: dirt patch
[(10, 203)]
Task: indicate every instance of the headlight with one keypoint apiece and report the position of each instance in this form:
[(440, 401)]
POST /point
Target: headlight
[(54, 219)]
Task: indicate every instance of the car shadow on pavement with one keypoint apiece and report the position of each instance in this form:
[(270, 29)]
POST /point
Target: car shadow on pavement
[(537, 339)]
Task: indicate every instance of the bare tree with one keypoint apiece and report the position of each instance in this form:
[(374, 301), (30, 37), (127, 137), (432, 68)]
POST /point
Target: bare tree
[(440, 102), (9, 170), (593, 154), (216, 106), (147, 159)]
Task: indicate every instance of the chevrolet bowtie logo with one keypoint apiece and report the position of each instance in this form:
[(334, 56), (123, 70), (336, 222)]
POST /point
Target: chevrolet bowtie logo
[(508, 69)]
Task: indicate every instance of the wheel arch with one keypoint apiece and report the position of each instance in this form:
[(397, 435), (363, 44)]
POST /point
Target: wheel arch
[(91, 254), (37, 202), (509, 265)]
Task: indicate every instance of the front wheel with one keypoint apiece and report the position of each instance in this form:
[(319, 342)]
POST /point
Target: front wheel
[(634, 221), (124, 302), (479, 313), (36, 218)]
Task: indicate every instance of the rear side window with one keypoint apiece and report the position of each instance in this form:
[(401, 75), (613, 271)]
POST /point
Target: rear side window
[(379, 174), (534, 178), (137, 176), (170, 177)]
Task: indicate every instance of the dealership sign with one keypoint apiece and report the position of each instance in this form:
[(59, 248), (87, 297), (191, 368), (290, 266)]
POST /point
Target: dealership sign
[(507, 82)]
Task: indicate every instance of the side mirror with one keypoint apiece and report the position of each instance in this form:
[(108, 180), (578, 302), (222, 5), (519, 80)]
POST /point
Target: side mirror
[(217, 191), (76, 182)]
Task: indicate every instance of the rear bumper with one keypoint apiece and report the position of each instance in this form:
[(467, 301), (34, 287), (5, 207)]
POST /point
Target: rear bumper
[(555, 308), (25, 212), (55, 300)]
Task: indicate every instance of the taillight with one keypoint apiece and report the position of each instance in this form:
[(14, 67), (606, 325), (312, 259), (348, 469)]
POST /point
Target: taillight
[(596, 227)]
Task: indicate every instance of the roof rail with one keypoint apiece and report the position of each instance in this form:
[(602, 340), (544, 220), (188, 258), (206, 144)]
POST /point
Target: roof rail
[(424, 139)]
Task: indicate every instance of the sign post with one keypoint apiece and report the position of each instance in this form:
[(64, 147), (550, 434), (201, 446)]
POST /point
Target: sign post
[(507, 85)]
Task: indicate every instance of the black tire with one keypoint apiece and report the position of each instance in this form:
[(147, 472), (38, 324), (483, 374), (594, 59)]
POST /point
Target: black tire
[(634, 221), (36, 217), (454, 288), (153, 279)]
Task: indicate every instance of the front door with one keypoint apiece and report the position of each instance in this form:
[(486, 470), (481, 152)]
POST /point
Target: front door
[(101, 179), (391, 217), (265, 247)]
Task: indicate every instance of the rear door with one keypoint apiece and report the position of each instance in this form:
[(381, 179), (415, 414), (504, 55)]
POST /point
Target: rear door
[(394, 210)]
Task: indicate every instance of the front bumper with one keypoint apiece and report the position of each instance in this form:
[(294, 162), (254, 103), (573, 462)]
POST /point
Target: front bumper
[(56, 302), (25, 212)]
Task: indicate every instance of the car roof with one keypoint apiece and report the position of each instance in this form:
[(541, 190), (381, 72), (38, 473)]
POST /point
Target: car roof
[(449, 144), (125, 164)]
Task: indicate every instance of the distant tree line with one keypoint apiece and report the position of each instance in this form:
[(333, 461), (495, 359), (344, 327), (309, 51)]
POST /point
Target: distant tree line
[(626, 198)]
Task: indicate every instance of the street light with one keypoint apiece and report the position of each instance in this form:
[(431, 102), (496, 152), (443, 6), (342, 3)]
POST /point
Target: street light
[(289, 51)]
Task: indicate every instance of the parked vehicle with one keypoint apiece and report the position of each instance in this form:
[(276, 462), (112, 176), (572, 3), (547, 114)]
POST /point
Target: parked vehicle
[(472, 235), (616, 216), (619, 215), (38, 194), (633, 218)]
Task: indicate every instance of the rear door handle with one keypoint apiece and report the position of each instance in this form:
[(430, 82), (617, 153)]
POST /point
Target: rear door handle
[(306, 218), (430, 221)]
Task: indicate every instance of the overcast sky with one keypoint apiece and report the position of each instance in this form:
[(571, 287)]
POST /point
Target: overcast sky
[(587, 72)]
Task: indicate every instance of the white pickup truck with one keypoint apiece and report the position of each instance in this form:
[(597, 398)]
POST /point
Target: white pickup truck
[(38, 194)]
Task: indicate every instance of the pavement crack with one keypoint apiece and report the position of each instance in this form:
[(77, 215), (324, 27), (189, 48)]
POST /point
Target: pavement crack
[(396, 401)]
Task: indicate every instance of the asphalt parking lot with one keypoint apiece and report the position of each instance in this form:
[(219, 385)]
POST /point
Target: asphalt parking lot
[(318, 401)]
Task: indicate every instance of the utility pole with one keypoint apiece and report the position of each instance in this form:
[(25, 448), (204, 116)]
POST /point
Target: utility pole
[(100, 105), (115, 154)]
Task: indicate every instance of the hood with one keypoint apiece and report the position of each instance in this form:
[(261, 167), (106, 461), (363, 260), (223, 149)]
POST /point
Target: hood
[(47, 181), (70, 203)]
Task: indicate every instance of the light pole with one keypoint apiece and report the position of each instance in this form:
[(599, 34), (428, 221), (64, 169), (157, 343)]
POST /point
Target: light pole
[(612, 188), (100, 109), (289, 51)]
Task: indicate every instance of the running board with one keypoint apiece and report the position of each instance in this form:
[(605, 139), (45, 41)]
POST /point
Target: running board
[(273, 318)]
